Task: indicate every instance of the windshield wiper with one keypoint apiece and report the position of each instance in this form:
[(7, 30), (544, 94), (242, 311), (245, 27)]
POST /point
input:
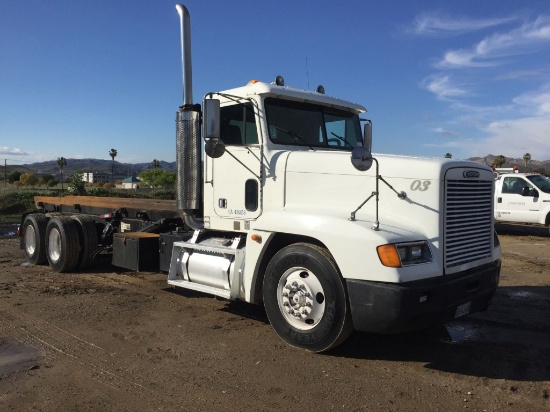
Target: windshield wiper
[(294, 135), (343, 139)]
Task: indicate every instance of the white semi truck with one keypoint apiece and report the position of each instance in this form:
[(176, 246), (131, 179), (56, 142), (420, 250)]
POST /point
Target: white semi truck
[(282, 203), (522, 198)]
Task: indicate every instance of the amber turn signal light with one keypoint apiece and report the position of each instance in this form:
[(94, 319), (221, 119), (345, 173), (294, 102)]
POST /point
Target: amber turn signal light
[(388, 256)]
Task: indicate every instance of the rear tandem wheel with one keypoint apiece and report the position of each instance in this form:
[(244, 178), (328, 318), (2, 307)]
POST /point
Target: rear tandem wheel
[(34, 229), (62, 243)]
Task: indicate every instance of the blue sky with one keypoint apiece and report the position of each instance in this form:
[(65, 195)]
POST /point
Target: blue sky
[(471, 78)]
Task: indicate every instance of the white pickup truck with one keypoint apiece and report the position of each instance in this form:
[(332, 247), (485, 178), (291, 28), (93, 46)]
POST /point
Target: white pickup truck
[(522, 198)]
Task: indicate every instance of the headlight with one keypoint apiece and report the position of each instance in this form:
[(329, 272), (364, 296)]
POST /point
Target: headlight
[(404, 254)]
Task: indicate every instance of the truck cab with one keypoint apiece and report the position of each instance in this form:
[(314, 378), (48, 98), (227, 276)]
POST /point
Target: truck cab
[(297, 214), (522, 198)]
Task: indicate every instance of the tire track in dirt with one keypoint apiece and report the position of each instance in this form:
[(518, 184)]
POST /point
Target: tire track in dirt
[(60, 345)]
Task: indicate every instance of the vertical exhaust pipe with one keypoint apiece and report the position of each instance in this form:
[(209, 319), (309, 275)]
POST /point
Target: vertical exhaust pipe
[(188, 147), (187, 70)]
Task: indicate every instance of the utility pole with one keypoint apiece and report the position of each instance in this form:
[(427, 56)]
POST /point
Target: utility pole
[(5, 173)]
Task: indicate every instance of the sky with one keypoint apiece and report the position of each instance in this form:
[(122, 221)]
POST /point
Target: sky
[(468, 77)]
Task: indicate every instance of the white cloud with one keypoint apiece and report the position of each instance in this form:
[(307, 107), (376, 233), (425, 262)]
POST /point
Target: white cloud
[(521, 74), (445, 132), (512, 129), (516, 137), (537, 102), (529, 37), (12, 151), (529, 131), (431, 24), (442, 87)]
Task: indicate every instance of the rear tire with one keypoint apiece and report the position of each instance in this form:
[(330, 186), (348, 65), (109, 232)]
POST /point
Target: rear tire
[(305, 298), (62, 245), (34, 229), (87, 236)]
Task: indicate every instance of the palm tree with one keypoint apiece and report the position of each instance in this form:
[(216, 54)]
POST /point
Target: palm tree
[(155, 163), (448, 156), (526, 158), (499, 160), (61, 162), (113, 154)]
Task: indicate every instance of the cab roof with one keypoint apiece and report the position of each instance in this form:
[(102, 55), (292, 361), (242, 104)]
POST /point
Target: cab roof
[(257, 88)]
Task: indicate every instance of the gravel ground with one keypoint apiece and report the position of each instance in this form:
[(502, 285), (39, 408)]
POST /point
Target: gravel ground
[(117, 340)]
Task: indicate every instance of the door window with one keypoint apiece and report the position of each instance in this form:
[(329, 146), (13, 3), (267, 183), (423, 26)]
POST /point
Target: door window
[(238, 125)]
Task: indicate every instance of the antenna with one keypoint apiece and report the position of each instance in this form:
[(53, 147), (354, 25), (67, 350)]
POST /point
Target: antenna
[(307, 75)]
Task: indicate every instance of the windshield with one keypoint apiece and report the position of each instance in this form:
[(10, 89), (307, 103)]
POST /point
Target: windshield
[(311, 125), (541, 182)]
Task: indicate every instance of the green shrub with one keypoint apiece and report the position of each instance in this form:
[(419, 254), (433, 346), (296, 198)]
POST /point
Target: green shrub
[(16, 202)]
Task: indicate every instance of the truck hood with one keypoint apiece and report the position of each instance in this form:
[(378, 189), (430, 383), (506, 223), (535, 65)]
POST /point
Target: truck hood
[(327, 182)]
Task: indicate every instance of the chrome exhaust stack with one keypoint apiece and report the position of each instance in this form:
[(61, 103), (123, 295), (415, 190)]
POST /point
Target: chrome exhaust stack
[(187, 71), (188, 145)]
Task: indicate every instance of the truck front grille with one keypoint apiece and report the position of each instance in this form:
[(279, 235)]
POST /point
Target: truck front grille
[(468, 221)]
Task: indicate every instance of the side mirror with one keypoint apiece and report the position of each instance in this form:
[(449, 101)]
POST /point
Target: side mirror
[(367, 135), (213, 145), (361, 156), (531, 192), (211, 119)]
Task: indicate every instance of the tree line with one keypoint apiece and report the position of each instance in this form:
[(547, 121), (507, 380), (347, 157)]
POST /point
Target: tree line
[(153, 178)]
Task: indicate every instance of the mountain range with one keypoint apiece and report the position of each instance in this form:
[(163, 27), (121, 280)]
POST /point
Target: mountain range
[(102, 166), (97, 166)]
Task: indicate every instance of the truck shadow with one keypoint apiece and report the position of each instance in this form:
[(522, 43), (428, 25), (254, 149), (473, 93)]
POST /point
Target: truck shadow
[(521, 230), (437, 350), (509, 341)]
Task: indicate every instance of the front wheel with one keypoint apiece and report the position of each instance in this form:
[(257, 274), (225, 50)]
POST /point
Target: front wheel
[(305, 298)]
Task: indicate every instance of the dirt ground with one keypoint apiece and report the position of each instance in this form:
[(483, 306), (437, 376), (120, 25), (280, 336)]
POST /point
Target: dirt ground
[(116, 340)]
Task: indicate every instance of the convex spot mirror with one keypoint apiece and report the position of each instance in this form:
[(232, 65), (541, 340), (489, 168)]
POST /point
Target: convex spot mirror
[(214, 148)]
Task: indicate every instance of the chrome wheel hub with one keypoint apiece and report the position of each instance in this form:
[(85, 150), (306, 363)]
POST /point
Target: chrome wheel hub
[(30, 240), (54, 245), (301, 298)]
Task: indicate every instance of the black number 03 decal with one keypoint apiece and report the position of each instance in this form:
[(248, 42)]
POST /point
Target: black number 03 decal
[(420, 185)]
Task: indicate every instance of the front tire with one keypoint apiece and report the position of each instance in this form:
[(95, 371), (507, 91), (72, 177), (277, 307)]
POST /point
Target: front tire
[(34, 229), (305, 298), (62, 245)]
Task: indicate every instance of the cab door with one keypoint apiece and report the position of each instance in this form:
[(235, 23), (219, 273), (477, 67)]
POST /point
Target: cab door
[(513, 206), (236, 175)]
